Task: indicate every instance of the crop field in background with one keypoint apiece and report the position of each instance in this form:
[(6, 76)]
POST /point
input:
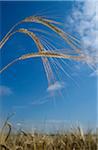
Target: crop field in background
[(75, 139)]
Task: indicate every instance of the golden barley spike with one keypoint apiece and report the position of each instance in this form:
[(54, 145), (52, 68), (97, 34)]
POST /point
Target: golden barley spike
[(44, 54), (40, 47), (49, 24), (2, 42), (54, 28)]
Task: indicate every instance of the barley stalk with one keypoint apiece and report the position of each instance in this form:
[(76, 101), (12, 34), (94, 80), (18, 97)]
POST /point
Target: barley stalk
[(44, 54)]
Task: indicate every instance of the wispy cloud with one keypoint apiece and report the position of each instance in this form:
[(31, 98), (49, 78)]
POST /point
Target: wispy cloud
[(5, 91), (93, 74), (42, 100), (20, 107), (56, 86), (84, 21), (19, 124)]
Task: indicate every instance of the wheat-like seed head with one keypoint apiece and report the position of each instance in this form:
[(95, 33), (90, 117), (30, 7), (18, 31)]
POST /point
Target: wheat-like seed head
[(72, 41)]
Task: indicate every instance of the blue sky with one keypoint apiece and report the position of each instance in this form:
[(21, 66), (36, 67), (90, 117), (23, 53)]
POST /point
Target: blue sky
[(24, 87)]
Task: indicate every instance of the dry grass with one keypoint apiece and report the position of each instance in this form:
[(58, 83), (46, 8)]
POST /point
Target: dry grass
[(76, 139), (36, 141)]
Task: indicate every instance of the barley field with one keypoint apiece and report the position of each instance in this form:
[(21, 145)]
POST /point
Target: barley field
[(75, 139)]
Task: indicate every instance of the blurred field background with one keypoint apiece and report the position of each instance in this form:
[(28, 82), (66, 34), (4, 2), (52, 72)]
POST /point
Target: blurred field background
[(73, 139)]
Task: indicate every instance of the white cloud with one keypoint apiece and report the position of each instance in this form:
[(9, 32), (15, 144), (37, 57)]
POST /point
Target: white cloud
[(18, 124), (56, 86), (5, 91), (84, 21)]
